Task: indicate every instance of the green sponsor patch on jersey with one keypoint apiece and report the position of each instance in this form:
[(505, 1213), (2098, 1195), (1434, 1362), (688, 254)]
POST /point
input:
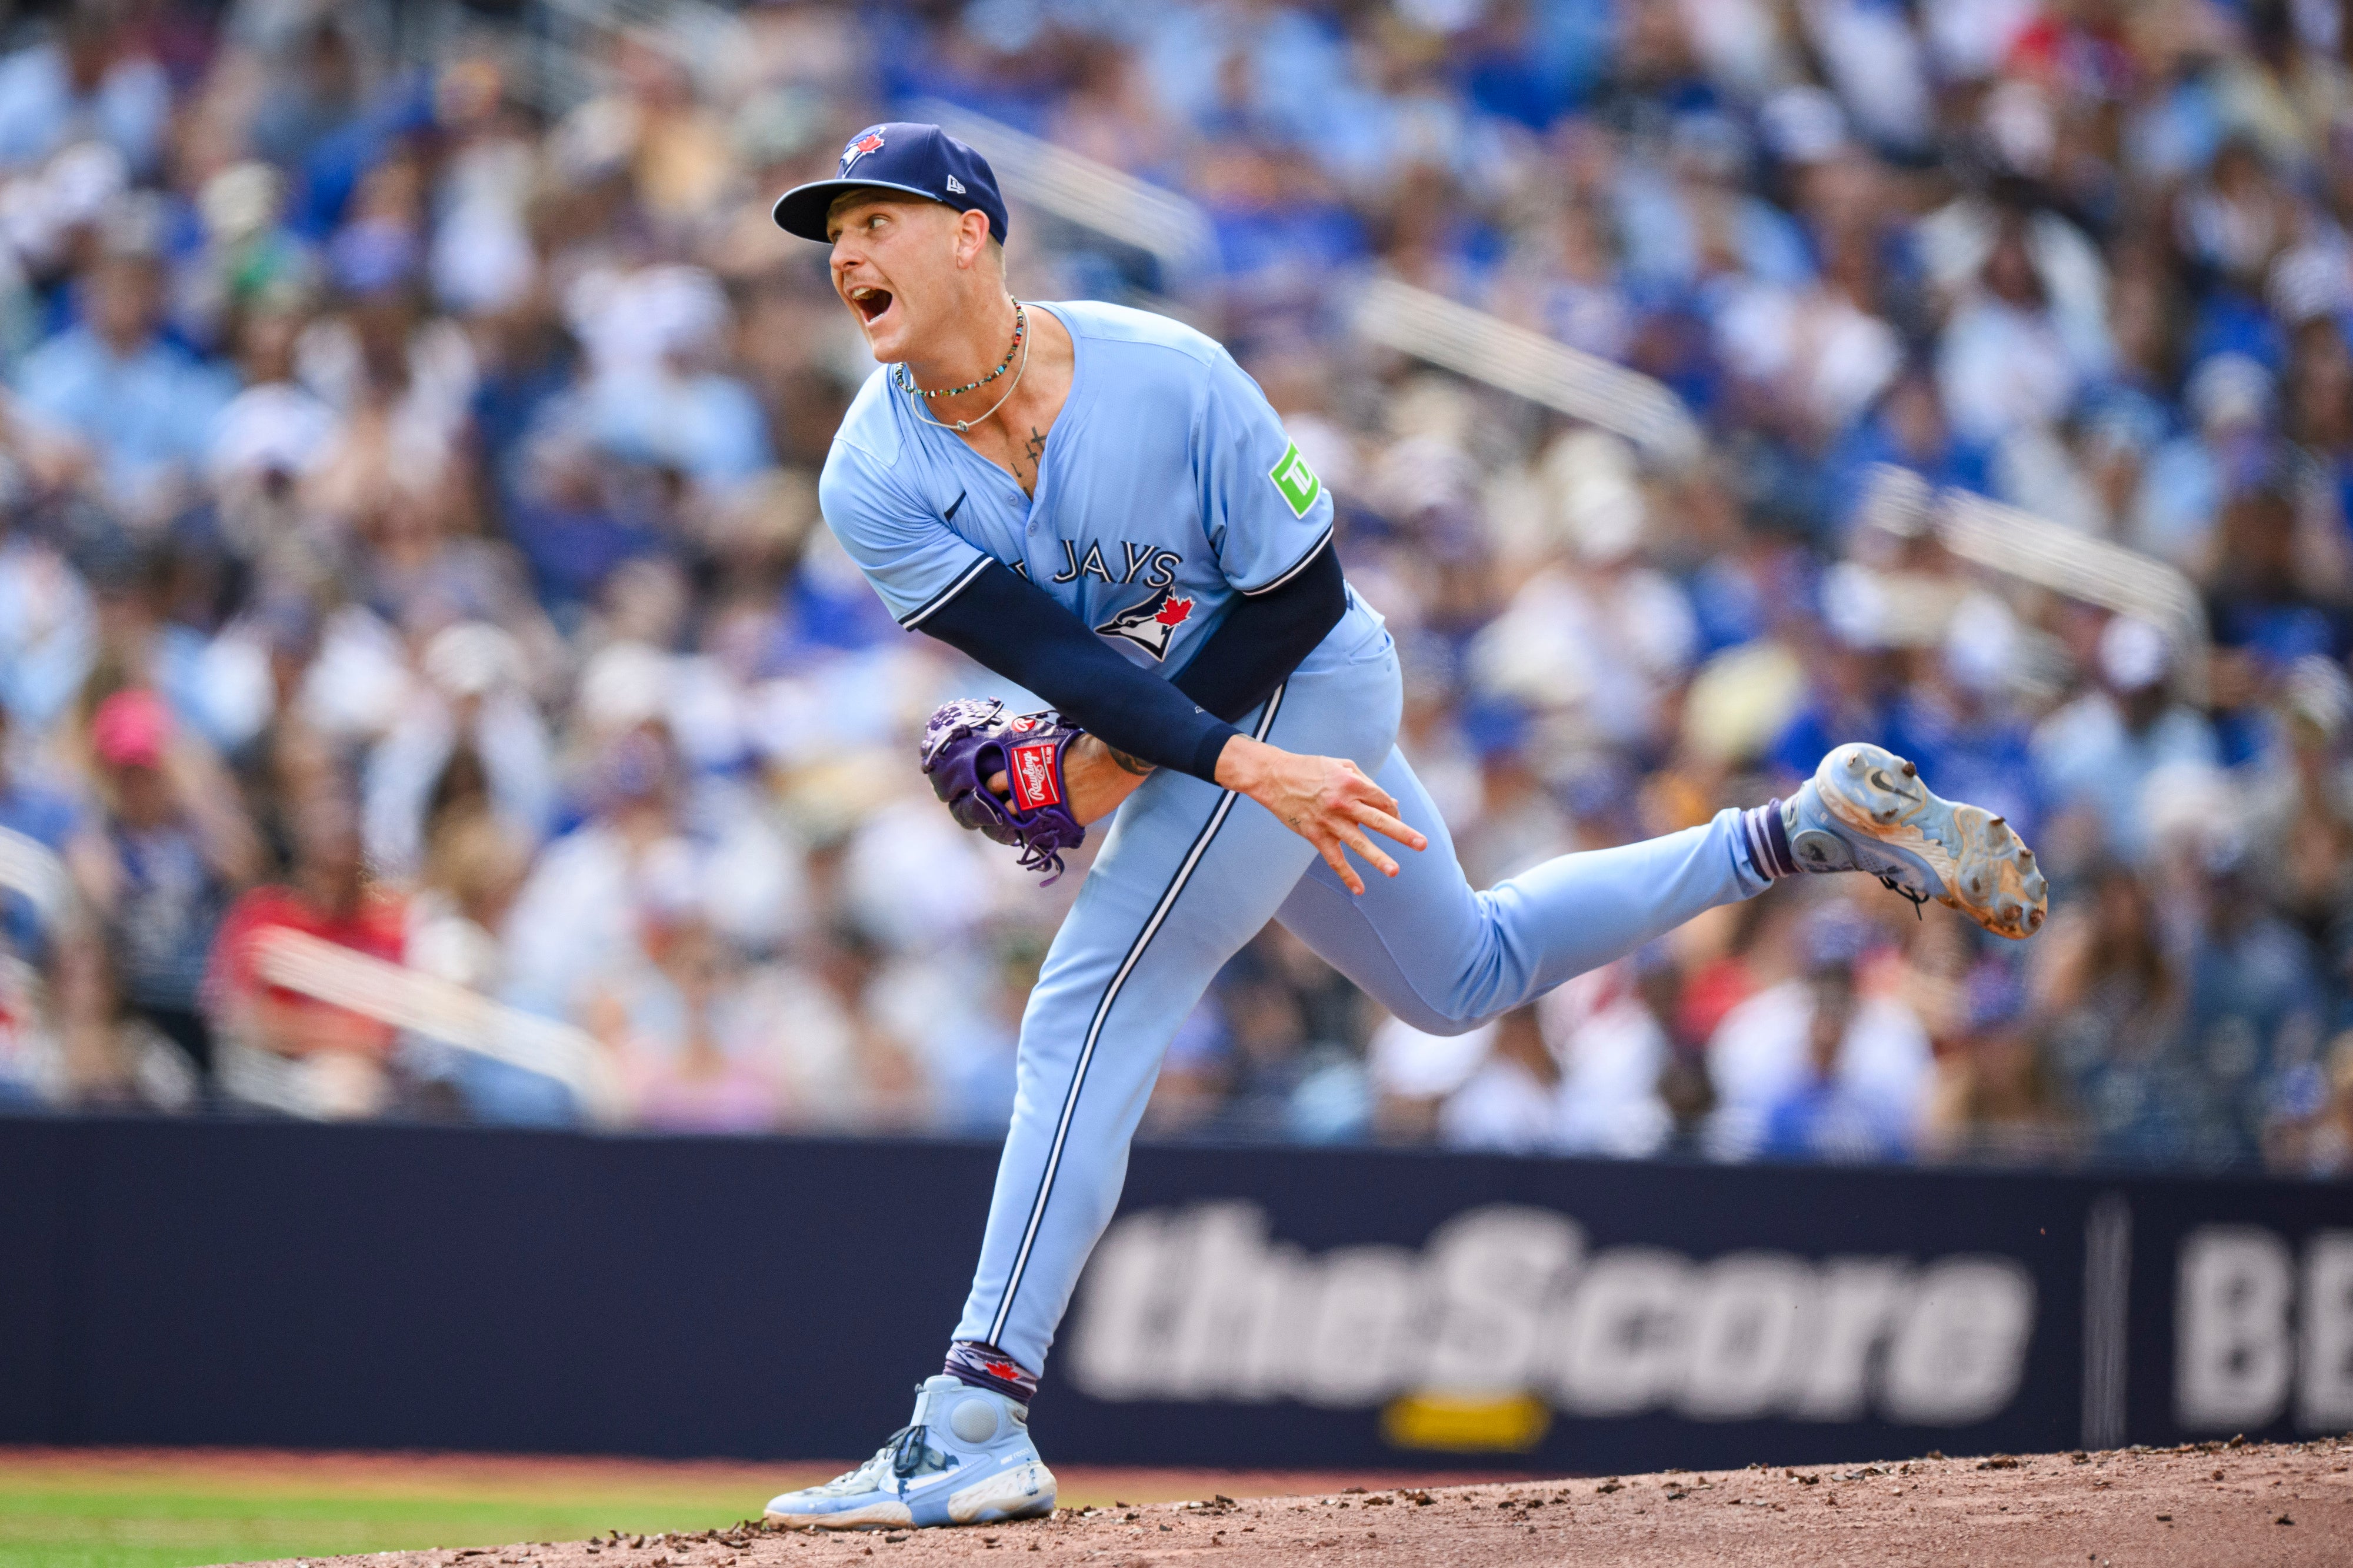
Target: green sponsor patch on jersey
[(1296, 480)]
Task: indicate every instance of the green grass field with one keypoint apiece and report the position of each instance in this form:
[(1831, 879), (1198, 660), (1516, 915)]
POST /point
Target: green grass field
[(167, 1511), (113, 1507)]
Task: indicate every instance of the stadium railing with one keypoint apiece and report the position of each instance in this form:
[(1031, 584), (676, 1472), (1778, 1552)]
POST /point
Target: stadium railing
[(2035, 550), (424, 1004)]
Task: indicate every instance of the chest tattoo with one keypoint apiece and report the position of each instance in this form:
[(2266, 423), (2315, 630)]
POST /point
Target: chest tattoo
[(1025, 459)]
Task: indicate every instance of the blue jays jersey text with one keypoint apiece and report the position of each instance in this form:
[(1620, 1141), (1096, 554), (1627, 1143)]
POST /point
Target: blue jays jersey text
[(1166, 488)]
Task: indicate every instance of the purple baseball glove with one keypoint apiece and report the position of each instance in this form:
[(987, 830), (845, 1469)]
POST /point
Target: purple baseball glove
[(968, 740)]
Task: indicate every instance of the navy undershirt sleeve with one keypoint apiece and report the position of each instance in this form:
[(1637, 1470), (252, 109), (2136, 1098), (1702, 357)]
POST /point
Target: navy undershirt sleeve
[(1263, 637), (1015, 627)]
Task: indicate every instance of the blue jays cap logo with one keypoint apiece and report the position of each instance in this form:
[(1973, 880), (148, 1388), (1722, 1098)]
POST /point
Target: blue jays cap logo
[(866, 141)]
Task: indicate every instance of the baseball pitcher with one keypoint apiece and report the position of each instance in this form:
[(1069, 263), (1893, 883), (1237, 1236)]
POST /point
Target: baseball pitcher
[(1096, 503)]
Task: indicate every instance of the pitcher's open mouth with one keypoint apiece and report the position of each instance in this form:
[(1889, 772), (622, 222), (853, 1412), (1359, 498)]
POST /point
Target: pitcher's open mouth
[(870, 302)]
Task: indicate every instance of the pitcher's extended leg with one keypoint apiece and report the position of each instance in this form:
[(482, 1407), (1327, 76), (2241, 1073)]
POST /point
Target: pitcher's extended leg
[(1444, 957)]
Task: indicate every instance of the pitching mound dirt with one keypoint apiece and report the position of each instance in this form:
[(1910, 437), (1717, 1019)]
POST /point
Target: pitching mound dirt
[(2204, 1505)]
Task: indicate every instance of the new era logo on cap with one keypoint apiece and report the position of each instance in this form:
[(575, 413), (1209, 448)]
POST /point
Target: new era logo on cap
[(900, 155)]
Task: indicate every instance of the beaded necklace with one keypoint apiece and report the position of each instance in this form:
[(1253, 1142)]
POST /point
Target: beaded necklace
[(905, 381)]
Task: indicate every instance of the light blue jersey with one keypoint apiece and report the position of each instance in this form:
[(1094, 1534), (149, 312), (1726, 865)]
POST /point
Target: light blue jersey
[(1166, 488)]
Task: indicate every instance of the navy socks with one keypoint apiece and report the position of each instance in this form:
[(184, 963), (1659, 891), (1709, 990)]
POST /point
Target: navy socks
[(986, 1366), (1769, 841)]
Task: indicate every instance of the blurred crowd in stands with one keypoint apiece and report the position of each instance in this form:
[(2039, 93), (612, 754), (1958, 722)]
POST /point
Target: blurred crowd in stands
[(409, 539)]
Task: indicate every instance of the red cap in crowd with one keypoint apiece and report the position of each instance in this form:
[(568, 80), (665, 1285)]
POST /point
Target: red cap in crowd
[(131, 729)]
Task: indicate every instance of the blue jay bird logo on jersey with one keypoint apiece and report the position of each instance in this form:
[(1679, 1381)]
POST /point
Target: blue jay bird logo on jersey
[(864, 143), (1152, 625)]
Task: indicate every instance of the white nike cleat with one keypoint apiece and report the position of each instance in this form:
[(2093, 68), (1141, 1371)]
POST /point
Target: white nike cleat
[(964, 1457)]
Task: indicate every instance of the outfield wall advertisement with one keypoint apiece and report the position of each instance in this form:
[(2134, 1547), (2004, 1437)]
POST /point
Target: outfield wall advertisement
[(1506, 1304), (378, 1287)]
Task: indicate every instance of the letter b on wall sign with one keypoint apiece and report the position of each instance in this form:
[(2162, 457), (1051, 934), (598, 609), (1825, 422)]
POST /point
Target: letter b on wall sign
[(2251, 1328)]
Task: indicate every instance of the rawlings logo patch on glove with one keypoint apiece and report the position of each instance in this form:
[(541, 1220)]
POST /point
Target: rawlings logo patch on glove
[(968, 740), (1036, 774)]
